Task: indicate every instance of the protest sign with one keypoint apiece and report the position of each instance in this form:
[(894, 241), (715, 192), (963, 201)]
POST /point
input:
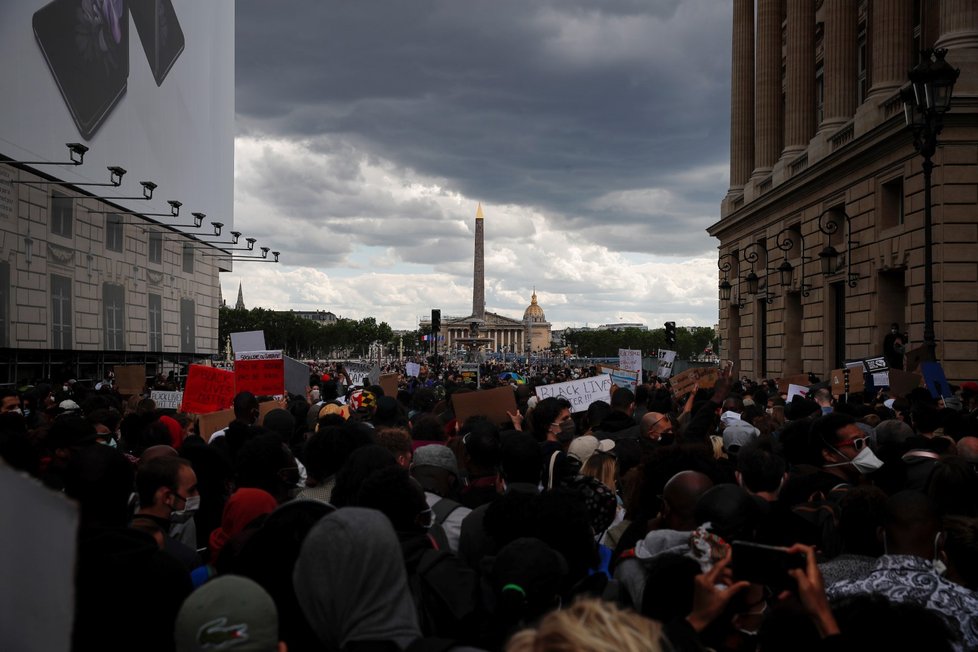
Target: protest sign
[(935, 379), (358, 373), (167, 400), (903, 382), (666, 359), (797, 390), (208, 389), (797, 379), (630, 359), (374, 376), (471, 374), (492, 404), (388, 383), (37, 563), (881, 379), (915, 357), (856, 381), (875, 365), (130, 379), (684, 382), (622, 377), (581, 393), (296, 376), (265, 407), (208, 424), (248, 341), (260, 372), (412, 369)]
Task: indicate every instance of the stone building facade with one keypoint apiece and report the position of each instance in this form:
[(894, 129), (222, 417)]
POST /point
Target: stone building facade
[(818, 135)]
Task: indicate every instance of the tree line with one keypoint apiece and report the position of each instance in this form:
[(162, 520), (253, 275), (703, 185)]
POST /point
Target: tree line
[(690, 341)]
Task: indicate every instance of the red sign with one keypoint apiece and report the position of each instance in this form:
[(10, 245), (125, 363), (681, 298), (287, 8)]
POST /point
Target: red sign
[(207, 390), (260, 372)]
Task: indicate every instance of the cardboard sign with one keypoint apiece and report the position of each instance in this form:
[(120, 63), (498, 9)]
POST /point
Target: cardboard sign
[(797, 379), (797, 390), (167, 400), (388, 383), (875, 365), (581, 393), (856, 381), (683, 383), (412, 369), (666, 360), (208, 389), (935, 379), (903, 382), (296, 376), (208, 424), (260, 372), (915, 357), (492, 404), (130, 379), (264, 408), (248, 341), (622, 377), (630, 359)]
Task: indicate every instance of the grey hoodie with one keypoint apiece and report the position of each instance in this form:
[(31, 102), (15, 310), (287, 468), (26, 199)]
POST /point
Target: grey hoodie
[(351, 583), (633, 571)]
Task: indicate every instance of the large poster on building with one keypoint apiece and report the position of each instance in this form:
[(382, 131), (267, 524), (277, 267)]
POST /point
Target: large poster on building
[(146, 85)]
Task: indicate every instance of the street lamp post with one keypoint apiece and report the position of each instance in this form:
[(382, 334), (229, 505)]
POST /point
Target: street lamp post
[(925, 101)]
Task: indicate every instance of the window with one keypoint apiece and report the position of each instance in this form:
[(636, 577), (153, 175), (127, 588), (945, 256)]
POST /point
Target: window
[(4, 302), (155, 322), (113, 232), (188, 339), (862, 65), (891, 204), (156, 247), (60, 312), (62, 208), (114, 306), (188, 259)]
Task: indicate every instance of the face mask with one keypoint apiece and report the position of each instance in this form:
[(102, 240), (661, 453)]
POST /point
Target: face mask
[(567, 431), (110, 443), (27, 412), (865, 462), (189, 507)]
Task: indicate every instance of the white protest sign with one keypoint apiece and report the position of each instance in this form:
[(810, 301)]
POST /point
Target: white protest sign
[(249, 356), (581, 393), (799, 390), (630, 359), (248, 341), (665, 363), (167, 400), (412, 369), (881, 379), (357, 372), (622, 377)]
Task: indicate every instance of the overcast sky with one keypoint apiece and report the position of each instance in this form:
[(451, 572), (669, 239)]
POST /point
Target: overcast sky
[(595, 133)]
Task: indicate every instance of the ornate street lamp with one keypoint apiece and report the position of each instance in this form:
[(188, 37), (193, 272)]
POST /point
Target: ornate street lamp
[(725, 267), (751, 255), (828, 223)]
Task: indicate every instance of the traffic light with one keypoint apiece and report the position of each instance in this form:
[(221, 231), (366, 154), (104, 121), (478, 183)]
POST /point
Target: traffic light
[(435, 321), (671, 333)]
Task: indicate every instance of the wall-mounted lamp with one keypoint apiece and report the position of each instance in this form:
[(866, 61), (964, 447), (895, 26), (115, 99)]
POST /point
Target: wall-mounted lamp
[(828, 224), (786, 269), (751, 255), (115, 180), (76, 156), (725, 267), (148, 188), (221, 252), (174, 211), (259, 259)]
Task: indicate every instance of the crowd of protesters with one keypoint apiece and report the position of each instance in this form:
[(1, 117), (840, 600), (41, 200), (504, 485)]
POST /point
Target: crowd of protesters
[(725, 519)]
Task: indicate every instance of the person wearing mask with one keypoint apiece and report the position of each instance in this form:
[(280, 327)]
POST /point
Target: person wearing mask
[(167, 491)]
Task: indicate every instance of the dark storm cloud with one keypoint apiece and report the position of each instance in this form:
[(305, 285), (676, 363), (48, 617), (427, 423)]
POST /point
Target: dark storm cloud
[(551, 105)]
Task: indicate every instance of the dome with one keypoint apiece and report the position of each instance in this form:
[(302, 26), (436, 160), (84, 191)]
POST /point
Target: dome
[(533, 311)]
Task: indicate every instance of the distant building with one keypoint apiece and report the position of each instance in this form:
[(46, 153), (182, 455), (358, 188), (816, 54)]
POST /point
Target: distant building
[(322, 316), (621, 326), (239, 305)]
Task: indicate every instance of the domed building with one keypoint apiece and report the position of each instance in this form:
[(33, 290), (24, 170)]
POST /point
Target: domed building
[(537, 326)]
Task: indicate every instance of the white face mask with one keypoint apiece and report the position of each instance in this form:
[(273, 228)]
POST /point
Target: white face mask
[(865, 462), (190, 506)]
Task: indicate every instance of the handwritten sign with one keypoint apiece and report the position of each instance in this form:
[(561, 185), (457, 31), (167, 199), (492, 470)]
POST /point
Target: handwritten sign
[(130, 379), (630, 359), (666, 360), (797, 390), (471, 373), (492, 404), (797, 379), (686, 381), (260, 372), (412, 369), (358, 373), (208, 389), (167, 400), (581, 393), (622, 377)]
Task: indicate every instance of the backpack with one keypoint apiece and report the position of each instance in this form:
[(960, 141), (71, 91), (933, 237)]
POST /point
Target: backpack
[(444, 592), (439, 512)]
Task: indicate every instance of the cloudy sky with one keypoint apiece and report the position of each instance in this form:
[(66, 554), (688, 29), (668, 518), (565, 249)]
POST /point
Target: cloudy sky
[(595, 133)]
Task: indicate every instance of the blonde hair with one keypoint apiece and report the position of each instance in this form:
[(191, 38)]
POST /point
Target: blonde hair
[(604, 467), (590, 626)]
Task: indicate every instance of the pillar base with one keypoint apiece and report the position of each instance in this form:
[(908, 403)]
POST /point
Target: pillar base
[(758, 184), (782, 169)]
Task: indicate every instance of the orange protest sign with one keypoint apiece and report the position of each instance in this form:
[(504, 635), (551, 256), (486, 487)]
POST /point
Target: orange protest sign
[(260, 372)]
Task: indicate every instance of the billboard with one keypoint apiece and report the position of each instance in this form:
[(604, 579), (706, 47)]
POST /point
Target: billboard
[(147, 85)]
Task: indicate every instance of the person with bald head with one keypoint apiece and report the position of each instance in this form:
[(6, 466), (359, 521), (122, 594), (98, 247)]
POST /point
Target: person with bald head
[(657, 427), (968, 450), (906, 573)]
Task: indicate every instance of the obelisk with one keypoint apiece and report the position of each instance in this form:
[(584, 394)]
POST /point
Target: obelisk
[(479, 268)]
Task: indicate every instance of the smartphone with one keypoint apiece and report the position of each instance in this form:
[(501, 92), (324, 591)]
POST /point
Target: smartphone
[(160, 33), (763, 564), (86, 46)]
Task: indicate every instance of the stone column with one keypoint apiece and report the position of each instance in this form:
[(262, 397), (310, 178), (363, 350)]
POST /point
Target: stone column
[(799, 121), (479, 268), (768, 117), (959, 34), (892, 43), (742, 94), (840, 74)]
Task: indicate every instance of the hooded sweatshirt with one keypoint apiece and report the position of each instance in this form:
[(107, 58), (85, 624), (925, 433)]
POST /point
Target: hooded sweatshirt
[(351, 583)]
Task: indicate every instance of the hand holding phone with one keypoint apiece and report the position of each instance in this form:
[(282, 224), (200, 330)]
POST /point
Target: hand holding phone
[(768, 565)]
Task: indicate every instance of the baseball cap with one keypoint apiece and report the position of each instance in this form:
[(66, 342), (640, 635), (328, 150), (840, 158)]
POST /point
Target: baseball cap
[(228, 613), (584, 447), (68, 405), (738, 434), (436, 455)]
